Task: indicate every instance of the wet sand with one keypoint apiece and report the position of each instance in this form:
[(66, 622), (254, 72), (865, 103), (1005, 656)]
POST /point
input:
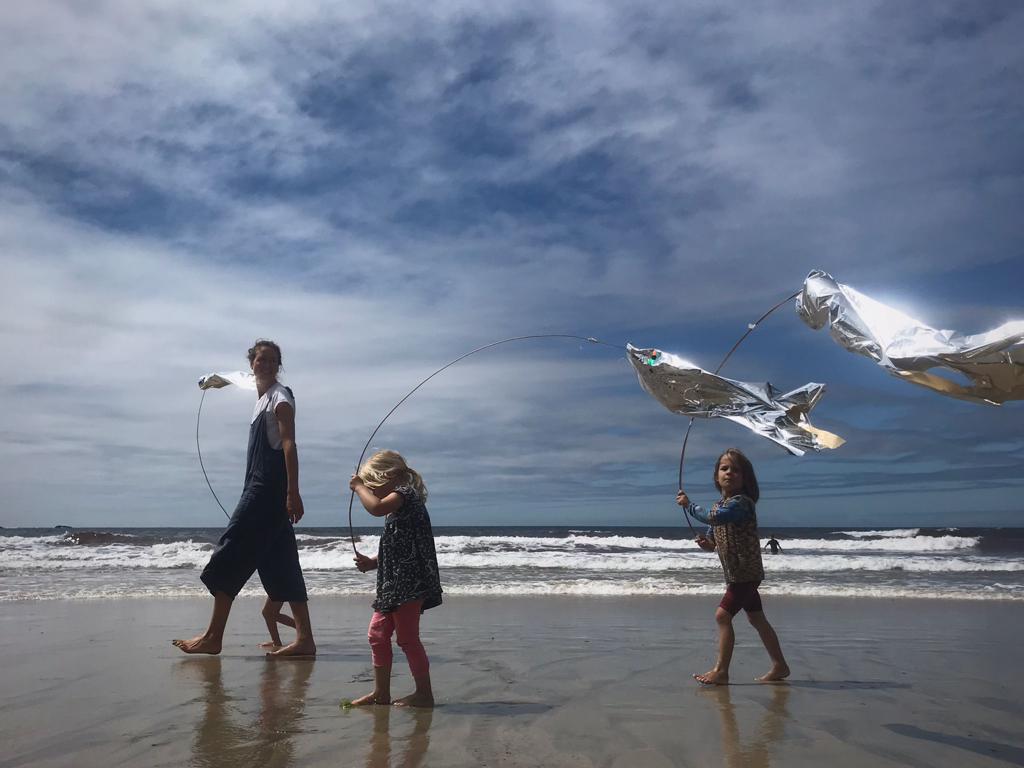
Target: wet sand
[(520, 682)]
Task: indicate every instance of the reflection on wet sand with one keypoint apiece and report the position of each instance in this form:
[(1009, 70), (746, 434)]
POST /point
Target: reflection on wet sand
[(757, 752), (267, 740), (379, 754)]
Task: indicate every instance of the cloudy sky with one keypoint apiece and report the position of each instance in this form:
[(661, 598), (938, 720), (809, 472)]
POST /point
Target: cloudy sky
[(385, 186)]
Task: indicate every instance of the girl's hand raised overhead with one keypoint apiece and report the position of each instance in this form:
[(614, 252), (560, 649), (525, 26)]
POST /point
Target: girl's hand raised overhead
[(356, 480)]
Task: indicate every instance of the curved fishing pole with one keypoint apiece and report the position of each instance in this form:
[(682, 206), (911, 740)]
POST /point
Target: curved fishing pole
[(362, 454), (201, 466), (686, 437)]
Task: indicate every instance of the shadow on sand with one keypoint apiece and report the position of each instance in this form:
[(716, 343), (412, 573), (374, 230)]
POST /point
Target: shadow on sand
[(501, 708), (847, 685), (992, 749)]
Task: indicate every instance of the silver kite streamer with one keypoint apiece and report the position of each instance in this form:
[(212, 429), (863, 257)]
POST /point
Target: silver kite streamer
[(242, 379), (991, 364), (685, 388)]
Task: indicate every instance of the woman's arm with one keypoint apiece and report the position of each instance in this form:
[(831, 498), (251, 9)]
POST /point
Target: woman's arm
[(286, 426)]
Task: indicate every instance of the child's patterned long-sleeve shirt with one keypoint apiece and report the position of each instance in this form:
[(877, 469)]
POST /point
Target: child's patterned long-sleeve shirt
[(734, 527)]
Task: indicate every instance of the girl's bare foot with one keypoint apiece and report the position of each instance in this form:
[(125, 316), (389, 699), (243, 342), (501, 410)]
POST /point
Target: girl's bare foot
[(415, 699), (270, 644), (370, 698), (200, 644), (713, 677), (775, 674), (298, 648)]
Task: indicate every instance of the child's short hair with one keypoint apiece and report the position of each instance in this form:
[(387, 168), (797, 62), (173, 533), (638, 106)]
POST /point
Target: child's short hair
[(269, 345), (387, 466), (750, 487)]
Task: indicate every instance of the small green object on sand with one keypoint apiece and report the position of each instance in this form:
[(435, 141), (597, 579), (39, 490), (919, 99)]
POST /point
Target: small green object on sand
[(346, 704)]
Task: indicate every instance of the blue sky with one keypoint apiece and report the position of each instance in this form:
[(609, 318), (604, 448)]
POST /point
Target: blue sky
[(383, 187)]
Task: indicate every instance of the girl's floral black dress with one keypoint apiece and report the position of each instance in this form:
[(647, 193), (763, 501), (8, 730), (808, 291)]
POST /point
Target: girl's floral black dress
[(406, 560)]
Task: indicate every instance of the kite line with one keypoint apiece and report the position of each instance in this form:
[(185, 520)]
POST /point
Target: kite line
[(589, 339), (362, 454), (979, 357), (686, 437)]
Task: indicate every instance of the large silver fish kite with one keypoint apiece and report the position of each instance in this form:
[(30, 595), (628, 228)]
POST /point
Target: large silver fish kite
[(991, 363), (685, 388), (241, 379)]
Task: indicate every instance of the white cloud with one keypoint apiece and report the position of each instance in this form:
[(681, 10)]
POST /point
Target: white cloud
[(382, 188)]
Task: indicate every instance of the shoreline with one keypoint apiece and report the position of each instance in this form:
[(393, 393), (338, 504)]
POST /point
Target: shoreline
[(708, 594), (545, 681)]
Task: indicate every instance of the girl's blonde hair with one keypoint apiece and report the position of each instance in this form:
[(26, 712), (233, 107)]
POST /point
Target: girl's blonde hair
[(387, 466)]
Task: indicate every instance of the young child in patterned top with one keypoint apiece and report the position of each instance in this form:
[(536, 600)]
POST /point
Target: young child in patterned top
[(733, 520), (407, 576)]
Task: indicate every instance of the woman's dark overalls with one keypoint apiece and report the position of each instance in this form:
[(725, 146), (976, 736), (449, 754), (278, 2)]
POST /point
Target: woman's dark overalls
[(259, 536)]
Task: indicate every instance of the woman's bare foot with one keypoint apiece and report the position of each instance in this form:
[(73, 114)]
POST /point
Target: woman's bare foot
[(271, 644), (415, 699), (370, 698), (200, 644), (775, 674), (713, 677), (305, 648)]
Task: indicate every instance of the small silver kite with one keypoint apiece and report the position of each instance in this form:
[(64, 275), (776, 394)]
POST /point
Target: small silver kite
[(685, 388), (241, 379), (992, 363)]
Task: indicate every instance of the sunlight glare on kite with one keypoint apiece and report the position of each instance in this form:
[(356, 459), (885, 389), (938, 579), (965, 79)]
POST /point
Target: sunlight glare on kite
[(991, 362)]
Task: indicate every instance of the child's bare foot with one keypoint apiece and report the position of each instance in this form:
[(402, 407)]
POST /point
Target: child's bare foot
[(415, 699), (298, 648), (200, 644), (775, 674), (713, 677), (270, 644), (370, 698)]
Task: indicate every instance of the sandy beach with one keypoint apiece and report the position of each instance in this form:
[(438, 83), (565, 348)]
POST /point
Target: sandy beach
[(521, 682)]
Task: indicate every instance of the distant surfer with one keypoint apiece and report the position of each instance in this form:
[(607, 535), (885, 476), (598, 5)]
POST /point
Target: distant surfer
[(773, 544), (259, 536)]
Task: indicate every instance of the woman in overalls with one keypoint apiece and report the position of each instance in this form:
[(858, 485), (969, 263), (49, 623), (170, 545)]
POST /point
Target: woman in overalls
[(259, 536)]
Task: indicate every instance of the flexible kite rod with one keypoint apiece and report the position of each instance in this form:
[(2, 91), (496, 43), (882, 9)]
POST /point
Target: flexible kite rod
[(362, 454), (200, 413), (686, 437)]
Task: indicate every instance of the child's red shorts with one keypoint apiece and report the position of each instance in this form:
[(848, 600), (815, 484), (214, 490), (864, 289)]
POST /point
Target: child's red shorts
[(741, 595)]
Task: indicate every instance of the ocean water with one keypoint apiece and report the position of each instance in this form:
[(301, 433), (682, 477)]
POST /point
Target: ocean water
[(962, 563)]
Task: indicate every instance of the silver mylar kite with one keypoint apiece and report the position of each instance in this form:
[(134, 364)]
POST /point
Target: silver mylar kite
[(992, 363), (241, 379), (684, 388)]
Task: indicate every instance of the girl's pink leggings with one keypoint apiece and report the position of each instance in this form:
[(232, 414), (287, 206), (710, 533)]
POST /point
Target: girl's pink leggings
[(405, 620)]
